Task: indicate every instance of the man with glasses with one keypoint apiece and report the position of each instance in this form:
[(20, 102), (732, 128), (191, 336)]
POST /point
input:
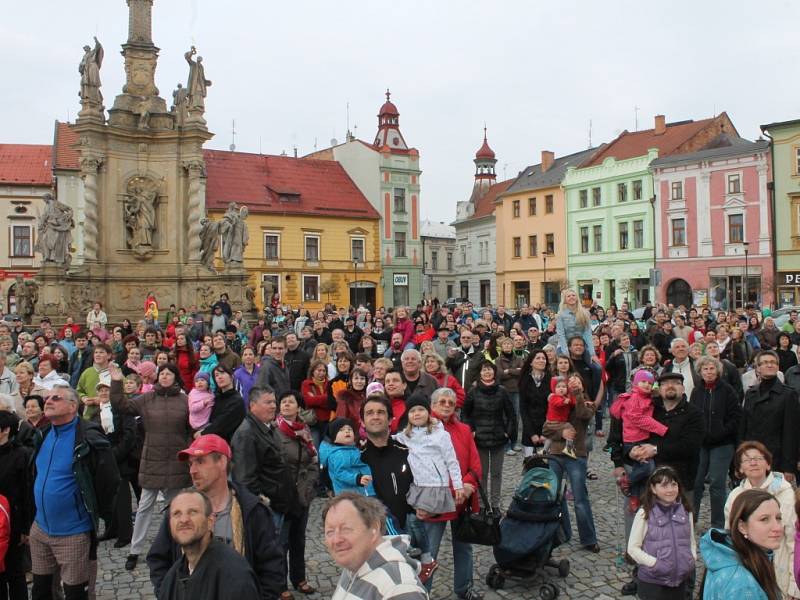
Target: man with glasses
[(72, 459), (771, 415)]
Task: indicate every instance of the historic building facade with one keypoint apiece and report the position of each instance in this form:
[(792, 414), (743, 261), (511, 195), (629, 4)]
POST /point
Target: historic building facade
[(388, 174), (476, 239), (531, 223), (713, 236), (313, 236), (438, 260), (785, 154), (610, 209)]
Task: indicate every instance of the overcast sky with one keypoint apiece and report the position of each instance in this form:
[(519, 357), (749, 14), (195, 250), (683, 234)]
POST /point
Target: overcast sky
[(536, 72)]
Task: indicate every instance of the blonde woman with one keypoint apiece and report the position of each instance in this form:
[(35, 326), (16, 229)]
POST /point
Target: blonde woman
[(24, 373), (574, 320)]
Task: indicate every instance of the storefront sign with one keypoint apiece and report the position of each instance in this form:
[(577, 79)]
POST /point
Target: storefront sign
[(789, 278), (400, 279)]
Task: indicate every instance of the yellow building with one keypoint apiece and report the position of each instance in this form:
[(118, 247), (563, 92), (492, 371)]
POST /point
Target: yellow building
[(314, 237), (532, 234)]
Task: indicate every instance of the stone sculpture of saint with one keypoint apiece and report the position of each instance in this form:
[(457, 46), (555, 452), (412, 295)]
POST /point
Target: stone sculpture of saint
[(55, 232), (180, 99), (140, 214), (197, 86), (90, 73), (235, 236), (209, 242), (26, 295)]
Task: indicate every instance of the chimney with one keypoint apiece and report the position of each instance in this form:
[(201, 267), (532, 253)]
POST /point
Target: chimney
[(547, 160), (661, 125)]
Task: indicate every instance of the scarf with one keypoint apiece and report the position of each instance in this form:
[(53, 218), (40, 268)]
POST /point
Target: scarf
[(133, 366), (297, 430)]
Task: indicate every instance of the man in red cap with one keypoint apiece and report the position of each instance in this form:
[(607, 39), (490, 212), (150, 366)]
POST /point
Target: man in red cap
[(241, 519)]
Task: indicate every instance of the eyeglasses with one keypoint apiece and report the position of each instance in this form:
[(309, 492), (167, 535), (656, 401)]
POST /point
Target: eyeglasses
[(54, 397), (753, 459), (767, 362), (446, 402)]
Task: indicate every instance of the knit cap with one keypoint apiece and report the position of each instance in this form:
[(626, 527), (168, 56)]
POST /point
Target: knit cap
[(643, 375), (374, 388), (418, 398), (147, 368), (337, 424), (203, 375)]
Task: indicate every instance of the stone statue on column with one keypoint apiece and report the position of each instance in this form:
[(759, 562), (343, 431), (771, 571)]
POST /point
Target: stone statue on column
[(235, 236), (180, 104), (89, 68), (140, 214), (197, 85), (55, 232), (26, 294), (209, 243)]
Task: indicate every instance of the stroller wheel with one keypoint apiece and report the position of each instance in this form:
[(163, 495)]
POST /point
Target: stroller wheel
[(548, 592), (563, 568)]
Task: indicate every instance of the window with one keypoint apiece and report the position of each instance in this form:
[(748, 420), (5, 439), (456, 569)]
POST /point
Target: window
[(735, 229), (483, 248), (548, 204), (533, 244), (638, 234), (434, 260), (311, 288), (797, 161), (449, 265), (584, 198), (677, 190), (449, 290), (596, 198), (637, 189), (463, 255), (597, 234), (357, 249), (531, 207), (734, 184), (550, 244), (622, 192), (623, 236), (516, 245), (585, 240), (399, 200), (21, 240), (272, 248), (270, 284), (515, 209), (400, 244), (312, 248), (678, 232)]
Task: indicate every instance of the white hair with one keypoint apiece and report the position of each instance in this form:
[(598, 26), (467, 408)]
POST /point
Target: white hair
[(676, 341), (411, 352)]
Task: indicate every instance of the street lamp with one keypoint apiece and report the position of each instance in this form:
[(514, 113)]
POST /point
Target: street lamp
[(355, 282), (746, 283), (544, 283)]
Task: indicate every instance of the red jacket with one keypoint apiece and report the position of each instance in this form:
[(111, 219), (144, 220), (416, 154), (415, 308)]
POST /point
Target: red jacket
[(187, 367), (425, 336), (447, 380), (348, 405), (468, 460), (316, 398), (398, 410), (406, 327), (5, 531)]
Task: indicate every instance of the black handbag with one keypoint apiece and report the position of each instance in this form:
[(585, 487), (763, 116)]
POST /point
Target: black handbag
[(482, 527)]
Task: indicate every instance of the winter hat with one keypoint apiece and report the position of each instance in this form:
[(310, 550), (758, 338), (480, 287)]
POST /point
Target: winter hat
[(643, 375), (418, 398), (375, 387), (203, 375), (337, 424), (147, 368)]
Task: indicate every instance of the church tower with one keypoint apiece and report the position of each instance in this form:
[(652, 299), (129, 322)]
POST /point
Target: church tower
[(389, 127), (485, 176)]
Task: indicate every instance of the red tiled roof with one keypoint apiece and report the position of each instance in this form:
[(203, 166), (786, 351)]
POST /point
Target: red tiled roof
[(26, 164), (629, 145), (308, 186), (66, 155), (485, 204), (485, 151)]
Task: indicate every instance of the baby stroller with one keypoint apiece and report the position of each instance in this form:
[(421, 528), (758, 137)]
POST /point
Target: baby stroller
[(531, 529)]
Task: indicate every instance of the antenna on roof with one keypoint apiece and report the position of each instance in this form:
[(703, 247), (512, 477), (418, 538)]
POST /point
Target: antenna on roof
[(259, 144), (590, 133), (315, 144), (505, 166), (636, 118), (347, 136), (233, 136)]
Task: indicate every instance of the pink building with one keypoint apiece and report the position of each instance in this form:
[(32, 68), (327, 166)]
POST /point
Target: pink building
[(714, 231)]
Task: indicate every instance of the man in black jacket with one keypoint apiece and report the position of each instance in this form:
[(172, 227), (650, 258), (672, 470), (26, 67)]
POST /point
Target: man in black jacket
[(465, 361), (274, 372), (297, 361), (771, 414), (207, 569), (258, 459), (242, 520)]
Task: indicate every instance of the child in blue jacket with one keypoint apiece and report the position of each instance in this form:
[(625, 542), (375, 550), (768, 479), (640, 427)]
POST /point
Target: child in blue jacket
[(342, 460)]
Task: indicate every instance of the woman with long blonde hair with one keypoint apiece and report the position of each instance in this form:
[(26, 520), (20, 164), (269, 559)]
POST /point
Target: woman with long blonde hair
[(573, 320)]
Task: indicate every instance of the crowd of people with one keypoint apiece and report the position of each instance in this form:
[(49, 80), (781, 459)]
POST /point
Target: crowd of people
[(395, 419)]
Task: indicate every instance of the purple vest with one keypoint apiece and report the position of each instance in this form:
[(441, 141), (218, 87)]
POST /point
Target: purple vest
[(668, 538)]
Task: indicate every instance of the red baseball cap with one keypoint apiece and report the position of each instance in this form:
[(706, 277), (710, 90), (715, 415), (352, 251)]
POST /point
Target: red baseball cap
[(204, 445)]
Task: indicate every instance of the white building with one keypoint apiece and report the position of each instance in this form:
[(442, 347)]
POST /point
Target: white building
[(438, 259)]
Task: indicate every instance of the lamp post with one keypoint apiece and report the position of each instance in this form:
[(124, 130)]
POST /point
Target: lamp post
[(746, 281), (355, 282), (544, 282)]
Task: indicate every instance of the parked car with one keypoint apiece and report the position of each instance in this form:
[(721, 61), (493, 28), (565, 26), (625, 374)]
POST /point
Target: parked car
[(452, 303)]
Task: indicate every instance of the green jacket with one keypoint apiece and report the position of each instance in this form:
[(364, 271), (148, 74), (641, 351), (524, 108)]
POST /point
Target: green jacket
[(94, 467)]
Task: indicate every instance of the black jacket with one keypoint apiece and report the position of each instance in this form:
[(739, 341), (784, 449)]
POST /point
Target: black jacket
[(391, 476), (731, 376), (721, 413), (297, 362), (533, 406), (227, 414), (220, 574), (489, 413), (618, 375), (123, 439), (274, 375), (78, 363), (260, 465), (465, 366), (770, 416), (352, 338), (680, 446), (262, 549)]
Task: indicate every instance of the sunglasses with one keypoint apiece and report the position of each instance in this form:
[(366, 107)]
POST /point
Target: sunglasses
[(54, 397), (446, 402)]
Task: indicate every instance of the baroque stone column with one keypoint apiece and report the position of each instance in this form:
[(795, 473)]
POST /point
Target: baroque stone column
[(194, 170), (89, 168)]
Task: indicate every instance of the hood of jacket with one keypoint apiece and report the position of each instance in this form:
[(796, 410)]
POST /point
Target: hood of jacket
[(718, 552), (328, 449)]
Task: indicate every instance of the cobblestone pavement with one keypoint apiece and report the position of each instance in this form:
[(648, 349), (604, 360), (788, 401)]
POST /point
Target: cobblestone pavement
[(592, 576)]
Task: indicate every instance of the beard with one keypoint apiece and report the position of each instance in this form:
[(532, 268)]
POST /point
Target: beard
[(672, 395), (190, 539)]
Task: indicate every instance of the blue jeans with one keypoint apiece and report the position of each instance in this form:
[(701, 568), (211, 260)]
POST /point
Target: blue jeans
[(576, 472), (462, 557), (419, 535), (277, 520), (714, 463)]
